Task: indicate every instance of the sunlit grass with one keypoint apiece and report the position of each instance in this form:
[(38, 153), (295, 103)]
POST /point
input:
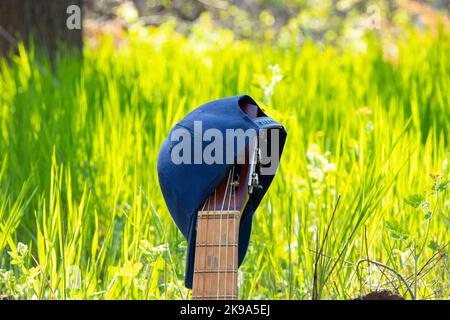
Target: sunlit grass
[(81, 214)]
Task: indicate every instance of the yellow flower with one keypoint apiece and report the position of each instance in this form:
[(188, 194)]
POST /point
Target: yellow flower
[(320, 134), (364, 111), (130, 269), (260, 80), (436, 175)]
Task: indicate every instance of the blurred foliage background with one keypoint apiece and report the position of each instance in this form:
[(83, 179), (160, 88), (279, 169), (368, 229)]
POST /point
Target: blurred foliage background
[(281, 22), (362, 87)]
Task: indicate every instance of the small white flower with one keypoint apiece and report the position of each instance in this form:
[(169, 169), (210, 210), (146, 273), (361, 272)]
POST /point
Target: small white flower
[(22, 249), (312, 205), (369, 126), (276, 77), (160, 248), (426, 205), (330, 167), (447, 204), (316, 174)]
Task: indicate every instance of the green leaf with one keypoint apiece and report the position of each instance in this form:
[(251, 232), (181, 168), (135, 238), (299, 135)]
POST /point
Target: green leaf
[(447, 222), (396, 231), (392, 225), (16, 261), (414, 200), (433, 245), (395, 236), (428, 215), (399, 236), (443, 186)]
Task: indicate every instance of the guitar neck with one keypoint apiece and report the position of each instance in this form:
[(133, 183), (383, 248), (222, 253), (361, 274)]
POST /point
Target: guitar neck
[(216, 250), (216, 256)]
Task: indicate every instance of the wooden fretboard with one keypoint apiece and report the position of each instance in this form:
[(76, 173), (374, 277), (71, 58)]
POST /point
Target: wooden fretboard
[(216, 256)]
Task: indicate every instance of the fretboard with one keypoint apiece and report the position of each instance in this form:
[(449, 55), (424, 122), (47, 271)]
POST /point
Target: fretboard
[(216, 250), (216, 256)]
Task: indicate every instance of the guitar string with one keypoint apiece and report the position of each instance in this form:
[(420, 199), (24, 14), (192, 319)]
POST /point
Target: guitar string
[(212, 248), (205, 275), (196, 261), (226, 239), (206, 248), (208, 204), (234, 284), (220, 236)]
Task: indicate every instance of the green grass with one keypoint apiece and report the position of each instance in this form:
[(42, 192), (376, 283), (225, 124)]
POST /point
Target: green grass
[(78, 183)]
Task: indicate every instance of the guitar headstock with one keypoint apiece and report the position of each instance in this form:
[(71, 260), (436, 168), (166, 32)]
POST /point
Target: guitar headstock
[(233, 192)]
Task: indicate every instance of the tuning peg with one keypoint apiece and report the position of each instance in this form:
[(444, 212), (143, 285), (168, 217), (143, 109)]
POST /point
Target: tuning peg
[(258, 190)]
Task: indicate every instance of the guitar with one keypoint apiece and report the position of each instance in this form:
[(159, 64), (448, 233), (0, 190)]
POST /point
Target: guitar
[(216, 250)]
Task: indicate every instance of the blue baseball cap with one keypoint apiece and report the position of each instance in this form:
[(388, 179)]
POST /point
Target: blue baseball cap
[(185, 186)]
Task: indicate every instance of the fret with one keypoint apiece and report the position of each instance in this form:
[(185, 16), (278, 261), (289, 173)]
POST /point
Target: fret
[(210, 283), (215, 296), (221, 217), (215, 271), (219, 212), (216, 244), (218, 215)]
